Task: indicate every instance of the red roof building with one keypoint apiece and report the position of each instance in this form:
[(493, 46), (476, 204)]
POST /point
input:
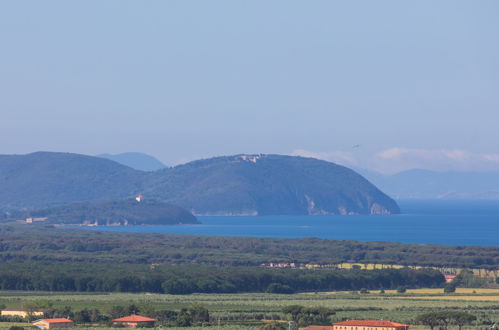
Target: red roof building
[(449, 278), (369, 325), (133, 321), (53, 323)]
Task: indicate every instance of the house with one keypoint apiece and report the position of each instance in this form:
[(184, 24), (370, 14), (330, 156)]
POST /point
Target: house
[(20, 312), (133, 321), (31, 220), (53, 323), (449, 278), (369, 325)]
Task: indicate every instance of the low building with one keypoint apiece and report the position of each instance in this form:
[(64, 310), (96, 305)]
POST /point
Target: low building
[(21, 312), (53, 323), (32, 220), (369, 325), (133, 321), (449, 278)]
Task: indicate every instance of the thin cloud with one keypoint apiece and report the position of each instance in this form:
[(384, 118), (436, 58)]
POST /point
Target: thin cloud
[(398, 159), (339, 157)]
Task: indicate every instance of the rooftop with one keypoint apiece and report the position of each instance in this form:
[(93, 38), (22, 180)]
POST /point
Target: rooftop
[(61, 320), (134, 318), (371, 323)]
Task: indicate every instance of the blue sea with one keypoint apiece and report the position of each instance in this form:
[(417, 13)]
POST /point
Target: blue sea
[(422, 222)]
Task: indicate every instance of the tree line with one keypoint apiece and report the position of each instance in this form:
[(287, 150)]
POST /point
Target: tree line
[(44, 242), (186, 279), (443, 319)]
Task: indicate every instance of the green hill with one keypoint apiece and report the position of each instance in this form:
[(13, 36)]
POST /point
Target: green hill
[(123, 212), (268, 185), (241, 184), (44, 179)]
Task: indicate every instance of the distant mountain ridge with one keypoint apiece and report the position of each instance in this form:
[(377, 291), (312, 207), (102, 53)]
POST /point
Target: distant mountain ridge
[(230, 185), (45, 179), (425, 184), (136, 160)]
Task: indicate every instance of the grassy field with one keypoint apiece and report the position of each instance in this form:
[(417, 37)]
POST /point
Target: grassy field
[(230, 308), (432, 291), (452, 270)]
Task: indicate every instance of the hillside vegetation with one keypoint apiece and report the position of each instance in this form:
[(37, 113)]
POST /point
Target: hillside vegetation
[(123, 212), (45, 179), (242, 184), (269, 185)]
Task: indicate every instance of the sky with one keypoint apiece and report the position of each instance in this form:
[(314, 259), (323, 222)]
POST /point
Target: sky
[(385, 85)]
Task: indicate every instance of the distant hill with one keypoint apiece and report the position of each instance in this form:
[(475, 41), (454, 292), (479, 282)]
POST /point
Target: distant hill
[(241, 184), (268, 185), (123, 212), (44, 179), (424, 184), (136, 160)]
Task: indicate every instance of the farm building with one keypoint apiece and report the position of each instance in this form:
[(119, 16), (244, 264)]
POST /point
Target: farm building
[(369, 325), (133, 321), (21, 312), (53, 323), (449, 278)]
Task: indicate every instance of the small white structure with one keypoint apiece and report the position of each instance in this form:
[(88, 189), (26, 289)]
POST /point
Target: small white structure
[(139, 198)]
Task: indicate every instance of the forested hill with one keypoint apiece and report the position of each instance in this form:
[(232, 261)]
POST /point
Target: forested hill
[(269, 185), (242, 184), (45, 179), (123, 212)]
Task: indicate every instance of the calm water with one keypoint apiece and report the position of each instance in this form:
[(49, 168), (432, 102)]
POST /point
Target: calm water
[(425, 222)]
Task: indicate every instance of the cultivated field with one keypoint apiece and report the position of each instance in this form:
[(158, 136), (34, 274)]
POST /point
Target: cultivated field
[(446, 270), (242, 311)]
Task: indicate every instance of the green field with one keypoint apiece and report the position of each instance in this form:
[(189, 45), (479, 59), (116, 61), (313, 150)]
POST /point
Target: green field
[(243, 311)]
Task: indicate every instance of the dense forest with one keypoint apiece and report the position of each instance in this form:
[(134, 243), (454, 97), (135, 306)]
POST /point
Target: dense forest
[(93, 277), (42, 257), (20, 243)]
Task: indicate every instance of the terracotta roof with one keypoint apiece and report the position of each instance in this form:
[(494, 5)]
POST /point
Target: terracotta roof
[(134, 318), (55, 320), (371, 323)]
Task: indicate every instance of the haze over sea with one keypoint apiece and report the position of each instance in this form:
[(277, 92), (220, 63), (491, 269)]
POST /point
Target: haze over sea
[(422, 222)]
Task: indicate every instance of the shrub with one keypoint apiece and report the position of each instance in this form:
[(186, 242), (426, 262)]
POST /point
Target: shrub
[(450, 288), (401, 289)]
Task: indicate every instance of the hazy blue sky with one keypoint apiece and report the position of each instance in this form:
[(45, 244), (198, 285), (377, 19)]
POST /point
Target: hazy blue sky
[(417, 80)]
